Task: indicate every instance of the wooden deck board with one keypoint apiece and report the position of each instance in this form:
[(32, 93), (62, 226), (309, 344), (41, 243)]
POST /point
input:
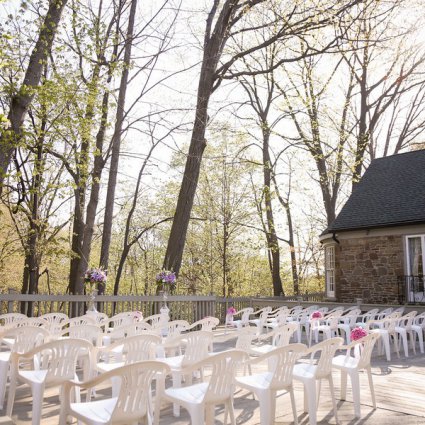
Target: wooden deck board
[(399, 388)]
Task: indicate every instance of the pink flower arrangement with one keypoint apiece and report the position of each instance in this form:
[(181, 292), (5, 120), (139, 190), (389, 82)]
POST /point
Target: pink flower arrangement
[(316, 315), (358, 333), (231, 310)]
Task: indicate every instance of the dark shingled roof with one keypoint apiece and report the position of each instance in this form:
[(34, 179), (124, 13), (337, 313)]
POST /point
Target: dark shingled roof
[(390, 193)]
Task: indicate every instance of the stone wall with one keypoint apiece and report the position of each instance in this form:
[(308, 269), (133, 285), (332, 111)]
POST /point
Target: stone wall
[(368, 268)]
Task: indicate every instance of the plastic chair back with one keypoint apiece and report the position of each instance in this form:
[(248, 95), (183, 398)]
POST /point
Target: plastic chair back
[(282, 335), (135, 390), (8, 319), (197, 344), (327, 349), (221, 384), (89, 333), (59, 358), (284, 359), (367, 343), (26, 338)]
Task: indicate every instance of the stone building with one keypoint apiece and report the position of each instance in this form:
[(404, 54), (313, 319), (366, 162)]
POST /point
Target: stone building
[(375, 248)]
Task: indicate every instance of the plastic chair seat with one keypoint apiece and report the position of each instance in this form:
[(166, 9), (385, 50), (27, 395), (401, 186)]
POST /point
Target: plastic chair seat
[(304, 371), (36, 376), (193, 394), (174, 362), (345, 362), (258, 380), (99, 411), (106, 367), (262, 349)]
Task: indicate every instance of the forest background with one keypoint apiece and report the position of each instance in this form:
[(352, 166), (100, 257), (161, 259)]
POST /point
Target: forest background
[(214, 138)]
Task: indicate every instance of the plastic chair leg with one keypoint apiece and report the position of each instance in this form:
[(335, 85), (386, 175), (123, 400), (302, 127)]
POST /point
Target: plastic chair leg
[(343, 384), (4, 367), (403, 336), (355, 384), (331, 386), (37, 402), (310, 398), (372, 390), (386, 339), (197, 414), (294, 407), (177, 383), (266, 407), (421, 340), (11, 394), (209, 417)]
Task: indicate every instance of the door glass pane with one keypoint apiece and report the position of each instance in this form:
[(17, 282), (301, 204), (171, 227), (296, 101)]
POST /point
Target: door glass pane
[(415, 257)]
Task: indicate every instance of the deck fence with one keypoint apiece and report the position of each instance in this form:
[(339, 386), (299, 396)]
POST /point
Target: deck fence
[(190, 308)]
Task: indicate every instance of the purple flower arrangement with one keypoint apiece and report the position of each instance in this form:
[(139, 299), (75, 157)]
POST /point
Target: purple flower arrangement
[(316, 315), (231, 310), (95, 276), (166, 278), (358, 333)]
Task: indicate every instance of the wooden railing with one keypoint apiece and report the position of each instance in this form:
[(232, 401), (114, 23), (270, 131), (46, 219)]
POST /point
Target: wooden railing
[(190, 308)]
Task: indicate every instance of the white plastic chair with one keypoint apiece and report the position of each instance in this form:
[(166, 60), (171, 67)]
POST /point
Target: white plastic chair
[(347, 322), (53, 364), (280, 337), (278, 320), (362, 319), (201, 398), (417, 328), (55, 321), (129, 406), (352, 365), (245, 313), (309, 373), (24, 339), (124, 331), (265, 385), (128, 351), (206, 324), (196, 349), (261, 322), (99, 318), (386, 329), (120, 319), (157, 321), (327, 325), (9, 319), (78, 321), (91, 333), (403, 328)]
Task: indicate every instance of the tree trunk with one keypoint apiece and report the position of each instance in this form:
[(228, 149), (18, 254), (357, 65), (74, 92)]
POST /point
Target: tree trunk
[(213, 47), (363, 135), (116, 144), (22, 100), (271, 236)]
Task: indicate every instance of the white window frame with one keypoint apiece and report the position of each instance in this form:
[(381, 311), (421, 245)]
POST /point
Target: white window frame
[(411, 296), (330, 270)]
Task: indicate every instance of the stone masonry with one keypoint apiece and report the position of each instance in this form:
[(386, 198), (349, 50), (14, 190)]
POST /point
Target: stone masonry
[(368, 268)]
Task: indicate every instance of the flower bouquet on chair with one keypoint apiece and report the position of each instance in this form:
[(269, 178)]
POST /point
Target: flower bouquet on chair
[(93, 279)]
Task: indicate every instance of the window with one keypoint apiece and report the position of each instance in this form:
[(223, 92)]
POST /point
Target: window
[(415, 260), (330, 270)]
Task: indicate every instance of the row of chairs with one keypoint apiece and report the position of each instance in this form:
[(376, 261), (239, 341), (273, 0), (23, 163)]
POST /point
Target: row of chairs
[(55, 363), (339, 322)]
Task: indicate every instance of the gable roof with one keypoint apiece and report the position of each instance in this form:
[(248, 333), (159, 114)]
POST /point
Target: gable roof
[(390, 193)]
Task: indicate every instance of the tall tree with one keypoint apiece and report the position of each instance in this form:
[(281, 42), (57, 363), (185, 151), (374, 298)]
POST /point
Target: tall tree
[(232, 20), (21, 101)]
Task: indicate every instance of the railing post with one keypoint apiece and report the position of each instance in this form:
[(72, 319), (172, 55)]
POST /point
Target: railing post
[(10, 303)]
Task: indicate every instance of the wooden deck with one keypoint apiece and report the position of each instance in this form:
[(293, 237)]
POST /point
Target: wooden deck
[(399, 388)]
